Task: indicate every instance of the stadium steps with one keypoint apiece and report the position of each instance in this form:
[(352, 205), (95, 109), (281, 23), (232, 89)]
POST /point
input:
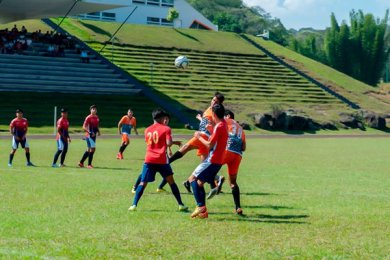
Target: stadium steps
[(67, 74), (246, 77)]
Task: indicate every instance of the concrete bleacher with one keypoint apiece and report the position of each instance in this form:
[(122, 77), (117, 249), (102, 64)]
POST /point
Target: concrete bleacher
[(35, 71), (248, 78)]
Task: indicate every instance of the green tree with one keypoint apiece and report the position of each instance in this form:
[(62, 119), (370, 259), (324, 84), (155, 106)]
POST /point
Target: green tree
[(172, 14)]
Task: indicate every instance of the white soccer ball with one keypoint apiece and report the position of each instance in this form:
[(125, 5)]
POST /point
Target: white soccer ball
[(182, 62)]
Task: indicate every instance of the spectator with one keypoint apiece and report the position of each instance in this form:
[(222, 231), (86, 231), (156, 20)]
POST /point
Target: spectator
[(84, 56)]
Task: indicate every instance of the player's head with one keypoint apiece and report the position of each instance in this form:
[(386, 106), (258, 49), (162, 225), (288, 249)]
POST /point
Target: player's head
[(218, 111), (93, 109), (229, 114), (19, 113), (159, 115), (217, 99), (64, 112), (130, 112)]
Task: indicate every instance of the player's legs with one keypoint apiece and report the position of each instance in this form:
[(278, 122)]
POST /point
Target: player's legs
[(64, 152), (90, 156), (147, 175), (60, 148), (15, 145), (124, 144), (176, 192), (26, 147), (233, 164)]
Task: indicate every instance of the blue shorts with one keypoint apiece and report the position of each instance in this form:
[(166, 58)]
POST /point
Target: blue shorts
[(207, 171), (23, 143), (91, 142), (150, 169), (62, 144)]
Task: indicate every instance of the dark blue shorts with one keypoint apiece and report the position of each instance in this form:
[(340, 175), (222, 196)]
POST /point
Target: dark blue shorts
[(206, 171), (150, 169)]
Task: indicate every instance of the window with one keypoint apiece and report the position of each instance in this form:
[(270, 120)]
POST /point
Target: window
[(153, 20), (165, 22), (108, 16), (138, 1), (167, 3), (153, 2)]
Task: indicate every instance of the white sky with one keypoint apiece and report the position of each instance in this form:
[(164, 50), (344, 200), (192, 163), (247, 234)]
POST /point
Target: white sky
[(316, 13)]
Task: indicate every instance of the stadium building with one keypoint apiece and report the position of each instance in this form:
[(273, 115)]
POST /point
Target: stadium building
[(153, 12)]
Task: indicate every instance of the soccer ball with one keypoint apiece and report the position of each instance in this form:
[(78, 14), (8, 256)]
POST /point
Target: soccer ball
[(182, 62)]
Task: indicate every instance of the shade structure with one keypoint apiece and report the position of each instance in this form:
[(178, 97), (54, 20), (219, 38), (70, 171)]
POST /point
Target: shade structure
[(14, 10)]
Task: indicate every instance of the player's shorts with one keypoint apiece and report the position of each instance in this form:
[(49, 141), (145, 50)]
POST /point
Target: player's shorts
[(207, 171), (150, 169), (232, 160), (125, 138), (202, 149), (61, 144), (23, 143), (91, 142)]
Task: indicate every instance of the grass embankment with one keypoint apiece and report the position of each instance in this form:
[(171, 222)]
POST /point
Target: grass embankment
[(302, 198), (357, 91)]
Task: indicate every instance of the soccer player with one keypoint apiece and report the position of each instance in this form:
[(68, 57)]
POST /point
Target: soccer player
[(18, 129), (205, 129), (63, 138), (125, 125), (91, 128), (208, 169), (157, 137), (236, 145)]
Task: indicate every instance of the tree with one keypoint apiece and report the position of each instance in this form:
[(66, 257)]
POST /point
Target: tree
[(172, 14)]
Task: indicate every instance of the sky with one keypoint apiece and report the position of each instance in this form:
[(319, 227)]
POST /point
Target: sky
[(298, 14)]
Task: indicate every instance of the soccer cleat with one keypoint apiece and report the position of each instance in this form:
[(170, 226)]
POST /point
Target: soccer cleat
[(133, 190), (198, 210), (220, 183), (29, 164), (119, 156), (61, 165), (133, 208), (54, 165), (81, 165), (90, 166), (212, 193), (239, 211), (160, 190), (9, 164), (203, 215), (187, 185), (183, 208)]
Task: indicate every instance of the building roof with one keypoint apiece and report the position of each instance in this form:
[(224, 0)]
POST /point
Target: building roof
[(14, 10)]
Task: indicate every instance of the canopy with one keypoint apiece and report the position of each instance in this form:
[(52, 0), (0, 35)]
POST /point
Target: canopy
[(14, 10)]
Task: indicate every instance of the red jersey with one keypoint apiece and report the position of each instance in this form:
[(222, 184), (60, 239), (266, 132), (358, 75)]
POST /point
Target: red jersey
[(156, 137), (219, 139), (62, 128), (92, 124), (19, 127), (236, 137)]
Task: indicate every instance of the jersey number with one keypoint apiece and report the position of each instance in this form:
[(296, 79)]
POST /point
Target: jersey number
[(152, 138)]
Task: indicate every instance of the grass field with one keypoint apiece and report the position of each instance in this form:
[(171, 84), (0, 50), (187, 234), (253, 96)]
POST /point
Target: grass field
[(302, 199)]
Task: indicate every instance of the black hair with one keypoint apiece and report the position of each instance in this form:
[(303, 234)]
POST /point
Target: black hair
[(64, 110), (220, 97), (229, 113), (159, 114), (19, 110), (219, 110), (91, 107)]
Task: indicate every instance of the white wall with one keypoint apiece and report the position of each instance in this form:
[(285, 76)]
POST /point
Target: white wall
[(187, 14)]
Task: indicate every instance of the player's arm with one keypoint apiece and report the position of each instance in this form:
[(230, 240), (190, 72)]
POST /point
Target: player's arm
[(86, 127), (120, 126), (208, 143)]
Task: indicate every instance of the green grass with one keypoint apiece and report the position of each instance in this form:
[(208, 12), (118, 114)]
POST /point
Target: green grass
[(302, 199), (157, 36)]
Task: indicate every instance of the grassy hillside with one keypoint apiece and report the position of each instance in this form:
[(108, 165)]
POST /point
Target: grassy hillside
[(364, 95)]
